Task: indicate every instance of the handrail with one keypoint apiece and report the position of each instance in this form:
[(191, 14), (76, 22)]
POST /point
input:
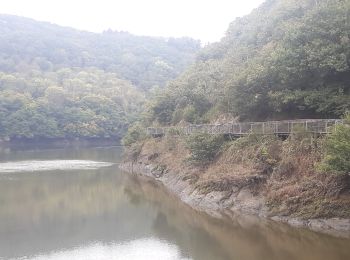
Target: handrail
[(285, 127)]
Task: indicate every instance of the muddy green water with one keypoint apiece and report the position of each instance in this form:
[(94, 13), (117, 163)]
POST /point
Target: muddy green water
[(74, 204)]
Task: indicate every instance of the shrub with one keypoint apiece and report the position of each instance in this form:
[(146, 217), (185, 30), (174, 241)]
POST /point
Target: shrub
[(337, 149), (177, 116), (255, 148), (189, 114), (135, 133), (204, 147), (248, 140), (134, 152), (173, 131)]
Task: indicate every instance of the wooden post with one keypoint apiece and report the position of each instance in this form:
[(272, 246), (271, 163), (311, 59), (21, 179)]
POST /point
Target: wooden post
[(275, 128), (263, 127), (288, 130), (306, 126)]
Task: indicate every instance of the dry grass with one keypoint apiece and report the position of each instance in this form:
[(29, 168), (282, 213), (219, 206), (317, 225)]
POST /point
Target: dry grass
[(284, 171), (296, 188)]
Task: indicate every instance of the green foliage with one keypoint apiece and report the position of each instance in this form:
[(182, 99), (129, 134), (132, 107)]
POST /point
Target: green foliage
[(300, 63), (134, 134), (287, 59), (26, 44), (248, 141), (204, 147), (173, 131), (189, 114), (264, 150), (337, 145), (85, 103), (60, 82), (163, 108), (188, 98)]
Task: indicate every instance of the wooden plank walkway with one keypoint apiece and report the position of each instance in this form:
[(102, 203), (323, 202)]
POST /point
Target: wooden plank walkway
[(281, 128)]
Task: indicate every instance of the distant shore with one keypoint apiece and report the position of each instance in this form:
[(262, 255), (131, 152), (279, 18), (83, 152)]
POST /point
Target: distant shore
[(59, 142)]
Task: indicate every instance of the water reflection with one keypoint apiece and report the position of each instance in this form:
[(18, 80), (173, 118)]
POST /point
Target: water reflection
[(36, 166), (147, 249), (106, 214), (243, 238)]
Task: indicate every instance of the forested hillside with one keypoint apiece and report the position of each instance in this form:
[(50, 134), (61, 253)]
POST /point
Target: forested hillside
[(26, 44), (287, 59), (57, 82), (66, 103)]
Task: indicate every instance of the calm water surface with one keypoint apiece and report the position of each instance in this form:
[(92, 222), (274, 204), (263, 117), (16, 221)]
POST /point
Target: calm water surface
[(76, 204)]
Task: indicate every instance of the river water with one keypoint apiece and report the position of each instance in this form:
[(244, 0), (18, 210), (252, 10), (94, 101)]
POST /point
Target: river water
[(75, 203)]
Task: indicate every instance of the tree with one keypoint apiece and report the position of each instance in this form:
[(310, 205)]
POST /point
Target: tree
[(135, 134), (337, 154), (204, 147)]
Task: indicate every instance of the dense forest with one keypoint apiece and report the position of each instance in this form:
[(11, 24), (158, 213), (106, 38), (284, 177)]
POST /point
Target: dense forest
[(57, 82), (26, 44), (66, 103), (288, 59)]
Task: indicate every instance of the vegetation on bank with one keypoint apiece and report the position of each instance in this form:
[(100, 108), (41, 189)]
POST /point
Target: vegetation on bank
[(285, 172), (333, 150), (287, 59), (204, 147), (135, 133), (337, 149)]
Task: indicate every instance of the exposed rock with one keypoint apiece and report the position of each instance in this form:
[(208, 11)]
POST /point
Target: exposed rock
[(226, 201)]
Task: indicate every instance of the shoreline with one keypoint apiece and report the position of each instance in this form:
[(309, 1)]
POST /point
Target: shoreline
[(220, 204), (59, 142)]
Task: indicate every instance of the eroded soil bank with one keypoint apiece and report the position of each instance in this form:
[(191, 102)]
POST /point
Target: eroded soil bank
[(281, 184)]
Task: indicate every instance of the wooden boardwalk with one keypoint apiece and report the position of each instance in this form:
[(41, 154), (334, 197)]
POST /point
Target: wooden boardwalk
[(280, 128)]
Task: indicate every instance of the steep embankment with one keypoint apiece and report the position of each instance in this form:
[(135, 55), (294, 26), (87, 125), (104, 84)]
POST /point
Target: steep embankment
[(286, 60), (260, 176)]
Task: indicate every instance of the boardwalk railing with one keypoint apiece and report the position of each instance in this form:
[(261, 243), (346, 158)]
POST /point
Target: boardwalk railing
[(317, 126)]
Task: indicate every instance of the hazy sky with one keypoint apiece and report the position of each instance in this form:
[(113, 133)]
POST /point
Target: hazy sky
[(206, 20)]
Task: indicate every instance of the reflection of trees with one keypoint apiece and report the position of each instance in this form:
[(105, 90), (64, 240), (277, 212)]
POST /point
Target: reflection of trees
[(175, 222), (51, 211), (134, 198), (242, 237), (193, 241), (50, 151), (59, 195)]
